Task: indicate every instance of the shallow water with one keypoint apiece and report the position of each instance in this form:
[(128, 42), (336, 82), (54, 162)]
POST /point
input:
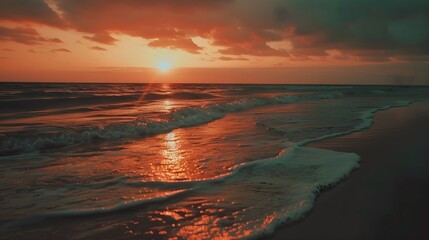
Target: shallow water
[(87, 161)]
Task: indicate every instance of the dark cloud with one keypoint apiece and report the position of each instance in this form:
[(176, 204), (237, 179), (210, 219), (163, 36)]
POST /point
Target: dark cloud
[(139, 18), (29, 11), (375, 58), (24, 35), (98, 48), (400, 26), (255, 48), (60, 50), (418, 58), (102, 37), (167, 23)]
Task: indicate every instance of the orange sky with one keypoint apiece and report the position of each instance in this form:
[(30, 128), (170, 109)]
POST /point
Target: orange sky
[(209, 41)]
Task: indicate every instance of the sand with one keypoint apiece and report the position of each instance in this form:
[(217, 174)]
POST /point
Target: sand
[(388, 196)]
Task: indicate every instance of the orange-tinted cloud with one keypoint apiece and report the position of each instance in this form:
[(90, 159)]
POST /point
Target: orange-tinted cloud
[(166, 23), (60, 50), (362, 30), (102, 37), (24, 35), (185, 44), (233, 59), (98, 48)]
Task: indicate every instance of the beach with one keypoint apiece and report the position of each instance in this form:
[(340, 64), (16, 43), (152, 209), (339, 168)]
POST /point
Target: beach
[(387, 197)]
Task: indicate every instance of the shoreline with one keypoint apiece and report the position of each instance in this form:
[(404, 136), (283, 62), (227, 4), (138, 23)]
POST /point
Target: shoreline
[(387, 197)]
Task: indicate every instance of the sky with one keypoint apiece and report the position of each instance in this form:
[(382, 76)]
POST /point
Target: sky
[(222, 41)]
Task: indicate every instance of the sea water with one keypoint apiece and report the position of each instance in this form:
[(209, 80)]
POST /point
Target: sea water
[(157, 161)]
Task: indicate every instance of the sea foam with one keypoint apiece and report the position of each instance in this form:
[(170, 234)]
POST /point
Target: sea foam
[(279, 190)]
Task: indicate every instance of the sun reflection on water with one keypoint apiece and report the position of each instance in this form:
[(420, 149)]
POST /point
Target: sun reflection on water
[(173, 166), (172, 152), (167, 105)]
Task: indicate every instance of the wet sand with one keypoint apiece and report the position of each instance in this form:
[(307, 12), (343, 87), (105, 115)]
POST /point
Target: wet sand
[(388, 196)]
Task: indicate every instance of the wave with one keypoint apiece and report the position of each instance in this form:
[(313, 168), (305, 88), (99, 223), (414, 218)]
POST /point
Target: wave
[(93, 211), (34, 104), (366, 121), (186, 117), (118, 207), (292, 184), (178, 95), (292, 180), (41, 100)]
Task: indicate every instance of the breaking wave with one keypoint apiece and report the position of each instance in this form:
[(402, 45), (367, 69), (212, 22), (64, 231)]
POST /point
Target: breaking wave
[(185, 117)]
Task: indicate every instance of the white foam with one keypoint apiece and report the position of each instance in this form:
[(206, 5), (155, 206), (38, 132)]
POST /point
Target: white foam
[(274, 191)]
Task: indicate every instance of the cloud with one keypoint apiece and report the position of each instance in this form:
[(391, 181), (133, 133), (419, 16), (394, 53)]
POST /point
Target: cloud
[(102, 37), (35, 11), (25, 35), (233, 59), (254, 49), (60, 50), (385, 27), (140, 17), (246, 27), (165, 23), (185, 44), (359, 29), (418, 58), (98, 48)]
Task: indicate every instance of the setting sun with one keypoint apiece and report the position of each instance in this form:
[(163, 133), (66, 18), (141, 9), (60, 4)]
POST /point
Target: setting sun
[(163, 66)]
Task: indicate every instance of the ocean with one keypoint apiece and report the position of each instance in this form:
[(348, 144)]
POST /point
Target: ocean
[(180, 161)]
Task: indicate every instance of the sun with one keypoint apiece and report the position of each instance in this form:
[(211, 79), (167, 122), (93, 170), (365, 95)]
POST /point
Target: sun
[(163, 66)]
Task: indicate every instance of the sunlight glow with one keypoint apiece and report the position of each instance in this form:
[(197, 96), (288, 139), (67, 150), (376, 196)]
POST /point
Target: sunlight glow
[(163, 66)]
